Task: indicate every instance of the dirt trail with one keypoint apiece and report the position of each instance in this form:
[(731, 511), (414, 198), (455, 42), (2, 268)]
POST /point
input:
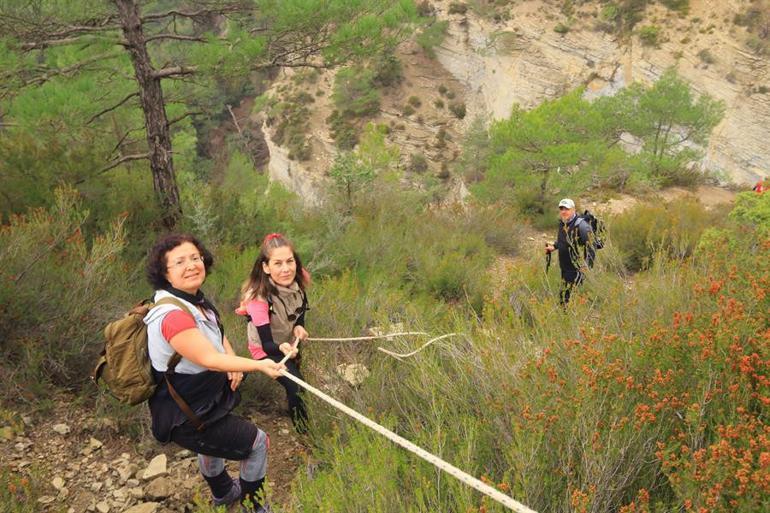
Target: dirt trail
[(82, 463), (710, 196)]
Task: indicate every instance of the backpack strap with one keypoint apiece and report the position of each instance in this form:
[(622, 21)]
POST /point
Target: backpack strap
[(171, 365)]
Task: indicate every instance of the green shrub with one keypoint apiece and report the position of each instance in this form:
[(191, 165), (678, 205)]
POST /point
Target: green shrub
[(758, 45), (417, 163), (680, 6), (561, 28), (458, 109), (354, 93), (289, 119), (425, 9), (343, 131), (388, 70), (752, 209), (457, 8), (19, 492), (617, 392), (671, 230), (407, 110), (649, 35), (58, 290), (438, 103), (415, 102), (706, 56), (432, 36)]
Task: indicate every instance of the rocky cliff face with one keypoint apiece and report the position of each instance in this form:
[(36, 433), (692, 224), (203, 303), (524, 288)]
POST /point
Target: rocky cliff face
[(525, 61)]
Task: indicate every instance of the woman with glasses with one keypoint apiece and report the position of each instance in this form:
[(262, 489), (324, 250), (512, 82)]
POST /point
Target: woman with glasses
[(275, 301), (206, 376)]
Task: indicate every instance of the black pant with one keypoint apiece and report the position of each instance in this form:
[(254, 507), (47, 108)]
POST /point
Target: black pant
[(232, 437), (294, 394), (569, 280)]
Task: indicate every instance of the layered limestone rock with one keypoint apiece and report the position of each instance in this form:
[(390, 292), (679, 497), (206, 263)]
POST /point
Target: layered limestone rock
[(295, 176), (524, 61)]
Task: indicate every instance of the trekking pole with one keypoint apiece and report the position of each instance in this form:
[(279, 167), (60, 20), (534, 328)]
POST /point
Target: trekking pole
[(547, 261)]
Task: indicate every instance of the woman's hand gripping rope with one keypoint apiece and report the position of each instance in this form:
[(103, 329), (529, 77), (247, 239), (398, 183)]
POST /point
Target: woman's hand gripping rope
[(292, 352)]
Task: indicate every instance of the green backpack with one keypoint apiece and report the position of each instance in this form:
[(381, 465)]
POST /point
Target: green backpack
[(124, 363)]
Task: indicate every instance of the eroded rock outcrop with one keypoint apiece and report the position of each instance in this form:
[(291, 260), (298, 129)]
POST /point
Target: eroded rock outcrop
[(524, 61)]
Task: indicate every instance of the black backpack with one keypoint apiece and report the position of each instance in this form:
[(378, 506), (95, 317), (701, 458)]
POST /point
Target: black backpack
[(596, 225)]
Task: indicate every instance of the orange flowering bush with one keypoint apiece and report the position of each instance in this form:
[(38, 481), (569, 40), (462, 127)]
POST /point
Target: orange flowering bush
[(648, 394)]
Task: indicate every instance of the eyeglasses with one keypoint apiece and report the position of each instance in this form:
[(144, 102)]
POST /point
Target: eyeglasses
[(183, 262)]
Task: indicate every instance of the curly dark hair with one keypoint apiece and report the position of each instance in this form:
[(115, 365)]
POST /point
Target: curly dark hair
[(156, 257)]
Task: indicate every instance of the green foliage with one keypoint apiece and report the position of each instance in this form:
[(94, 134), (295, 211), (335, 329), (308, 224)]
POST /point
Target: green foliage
[(344, 132), (57, 291), (388, 70), (457, 8), (667, 118), (561, 28), (417, 163), (649, 35), (619, 392), (19, 492), (458, 109), (477, 151), (355, 96), (681, 6), (290, 120), (432, 36), (753, 209), (756, 19), (353, 172), (354, 93), (337, 479), (672, 230), (549, 144), (350, 176)]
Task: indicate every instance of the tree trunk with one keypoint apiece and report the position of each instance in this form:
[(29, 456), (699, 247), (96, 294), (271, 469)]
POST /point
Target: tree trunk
[(543, 189), (154, 108)]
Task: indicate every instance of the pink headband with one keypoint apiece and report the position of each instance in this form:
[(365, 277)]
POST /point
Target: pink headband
[(271, 236)]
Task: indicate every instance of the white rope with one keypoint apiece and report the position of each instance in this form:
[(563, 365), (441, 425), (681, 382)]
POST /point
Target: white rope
[(374, 337), (399, 356), (292, 352), (471, 481)]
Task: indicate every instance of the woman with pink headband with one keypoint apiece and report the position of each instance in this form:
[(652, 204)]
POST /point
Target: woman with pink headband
[(275, 301)]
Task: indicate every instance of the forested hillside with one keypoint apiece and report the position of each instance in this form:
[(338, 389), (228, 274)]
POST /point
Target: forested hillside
[(415, 152)]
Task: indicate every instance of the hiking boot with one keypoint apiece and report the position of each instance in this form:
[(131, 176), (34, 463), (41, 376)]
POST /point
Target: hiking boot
[(230, 497)]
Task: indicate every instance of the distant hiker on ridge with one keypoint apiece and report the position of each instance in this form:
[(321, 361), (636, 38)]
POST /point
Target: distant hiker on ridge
[(576, 248), (761, 186)]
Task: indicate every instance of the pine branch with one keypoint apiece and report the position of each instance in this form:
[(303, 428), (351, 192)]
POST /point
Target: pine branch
[(177, 37), (183, 116), (174, 71), (122, 160), (47, 75), (235, 7), (110, 109)]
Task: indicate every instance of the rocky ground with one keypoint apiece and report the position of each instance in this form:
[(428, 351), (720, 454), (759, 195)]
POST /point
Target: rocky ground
[(81, 462)]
